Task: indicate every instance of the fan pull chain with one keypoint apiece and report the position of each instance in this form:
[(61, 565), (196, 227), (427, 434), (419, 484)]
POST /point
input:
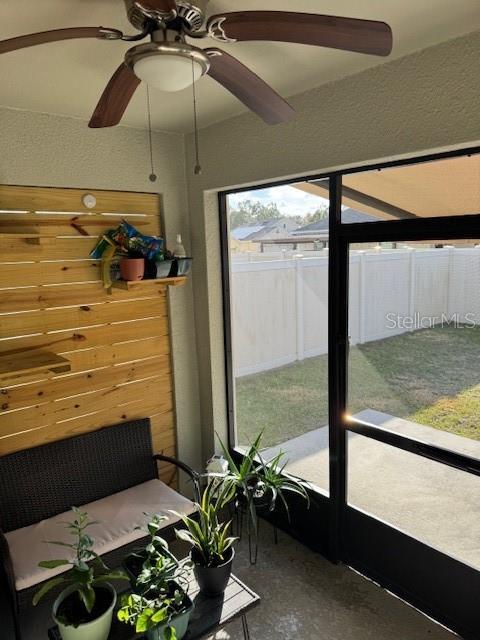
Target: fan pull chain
[(198, 167), (153, 176)]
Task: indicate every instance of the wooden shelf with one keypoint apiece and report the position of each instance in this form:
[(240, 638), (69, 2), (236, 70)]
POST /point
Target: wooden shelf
[(30, 238), (43, 219), (141, 284), (28, 363)]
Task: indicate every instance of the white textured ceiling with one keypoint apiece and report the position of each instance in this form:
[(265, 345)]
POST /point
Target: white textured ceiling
[(68, 77)]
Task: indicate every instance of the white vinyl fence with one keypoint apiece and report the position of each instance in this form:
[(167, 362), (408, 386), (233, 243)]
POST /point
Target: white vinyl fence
[(279, 307)]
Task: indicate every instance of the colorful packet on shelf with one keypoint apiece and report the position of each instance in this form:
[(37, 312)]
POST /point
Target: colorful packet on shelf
[(102, 244), (130, 240), (148, 246)]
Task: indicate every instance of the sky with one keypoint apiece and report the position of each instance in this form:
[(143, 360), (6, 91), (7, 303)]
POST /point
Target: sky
[(289, 200)]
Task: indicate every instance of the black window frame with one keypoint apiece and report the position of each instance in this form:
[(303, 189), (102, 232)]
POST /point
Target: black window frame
[(340, 516), (340, 236)]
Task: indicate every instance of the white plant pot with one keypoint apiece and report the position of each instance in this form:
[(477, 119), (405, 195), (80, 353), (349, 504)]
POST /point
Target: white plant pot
[(97, 629)]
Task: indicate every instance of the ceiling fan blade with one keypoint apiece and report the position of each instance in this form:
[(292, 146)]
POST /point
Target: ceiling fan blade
[(32, 39), (256, 94), (115, 98), (349, 34)]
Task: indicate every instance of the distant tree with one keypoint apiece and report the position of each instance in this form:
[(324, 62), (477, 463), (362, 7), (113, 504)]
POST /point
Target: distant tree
[(299, 220), (320, 214), (251, 211), (238, 218)]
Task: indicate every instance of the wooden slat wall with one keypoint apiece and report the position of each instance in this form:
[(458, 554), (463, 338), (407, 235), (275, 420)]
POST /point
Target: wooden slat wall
[(51, 297)]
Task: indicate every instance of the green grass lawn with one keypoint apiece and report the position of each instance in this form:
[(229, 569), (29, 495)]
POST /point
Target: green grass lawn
[(431, 377)]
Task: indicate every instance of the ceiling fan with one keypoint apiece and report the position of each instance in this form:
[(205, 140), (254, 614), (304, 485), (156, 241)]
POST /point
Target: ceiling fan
[(168, 62)]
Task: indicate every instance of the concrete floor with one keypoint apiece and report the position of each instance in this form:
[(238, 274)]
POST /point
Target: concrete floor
[(304, 597), (427, 500)]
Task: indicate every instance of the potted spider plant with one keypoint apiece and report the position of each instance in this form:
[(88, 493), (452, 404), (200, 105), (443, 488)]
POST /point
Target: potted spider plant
[(257, 484), (84, 609), (159, 605), (212, 549)]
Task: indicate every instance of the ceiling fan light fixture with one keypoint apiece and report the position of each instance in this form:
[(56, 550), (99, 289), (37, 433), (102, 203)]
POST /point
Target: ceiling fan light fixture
[(167, 66), (168, 72)]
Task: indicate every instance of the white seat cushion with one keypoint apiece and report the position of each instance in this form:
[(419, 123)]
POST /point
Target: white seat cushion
[(119, 515)]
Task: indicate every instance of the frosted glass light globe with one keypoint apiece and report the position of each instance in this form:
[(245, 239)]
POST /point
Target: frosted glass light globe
[(168, 72)]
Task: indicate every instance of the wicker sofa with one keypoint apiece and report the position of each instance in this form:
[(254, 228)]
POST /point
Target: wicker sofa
[(111, 472)]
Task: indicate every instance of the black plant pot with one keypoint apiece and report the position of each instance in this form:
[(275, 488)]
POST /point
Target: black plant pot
[(132, 565), (262, 503), (212, 580)]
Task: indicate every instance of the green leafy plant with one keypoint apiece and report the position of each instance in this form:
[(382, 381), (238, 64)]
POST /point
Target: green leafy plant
[(276, 481), (148, 613), (87, 568), (256, 482), (160, 590), (241, 481), (209, 537), (160, 568)]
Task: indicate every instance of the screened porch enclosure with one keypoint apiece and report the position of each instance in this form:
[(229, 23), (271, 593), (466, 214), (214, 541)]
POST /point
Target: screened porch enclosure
[(413, 351), (418, 382)]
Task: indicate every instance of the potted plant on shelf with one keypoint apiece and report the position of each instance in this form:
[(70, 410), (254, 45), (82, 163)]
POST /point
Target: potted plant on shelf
[(84, 609), (257, 483), (164, 265), (159, 605), (212, 550), (132, 266), (138, 253)]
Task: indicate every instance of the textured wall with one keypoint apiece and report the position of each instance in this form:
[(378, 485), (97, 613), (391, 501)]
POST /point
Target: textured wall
[(428, 100), (47, 150)]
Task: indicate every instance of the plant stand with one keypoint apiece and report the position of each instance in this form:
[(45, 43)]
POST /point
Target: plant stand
[(240, 513)]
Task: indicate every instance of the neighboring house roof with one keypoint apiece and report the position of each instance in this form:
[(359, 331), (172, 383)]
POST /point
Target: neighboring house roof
[(321, 226), (256, 231), (242, 233)]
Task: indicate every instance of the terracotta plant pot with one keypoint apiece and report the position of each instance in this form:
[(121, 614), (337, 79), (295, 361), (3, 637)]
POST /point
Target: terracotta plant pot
[(132, 268)]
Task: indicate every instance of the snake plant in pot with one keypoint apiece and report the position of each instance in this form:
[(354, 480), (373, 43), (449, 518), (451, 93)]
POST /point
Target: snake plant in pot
[(158, 605), (212, 550), (82, 611)]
